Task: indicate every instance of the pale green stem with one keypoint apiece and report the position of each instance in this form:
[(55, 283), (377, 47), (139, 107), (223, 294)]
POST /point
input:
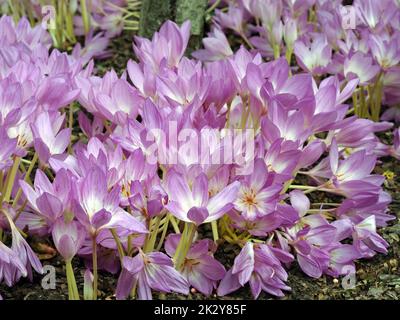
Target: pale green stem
[(7, 190), (184, 245), (214, 227), (95, 275), (73, 293), (121, 252)]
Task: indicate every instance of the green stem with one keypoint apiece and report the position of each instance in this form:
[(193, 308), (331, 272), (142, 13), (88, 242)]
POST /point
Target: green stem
[(174, 224), (73, 293), (121, 252), (214, 227), (152, 236), (184, 245), (164, 233), (213, 7), (6, 194), (246, 40), (95, 275), (85, 16)]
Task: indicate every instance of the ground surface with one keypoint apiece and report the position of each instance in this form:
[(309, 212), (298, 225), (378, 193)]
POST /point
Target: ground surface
[(377, 278)]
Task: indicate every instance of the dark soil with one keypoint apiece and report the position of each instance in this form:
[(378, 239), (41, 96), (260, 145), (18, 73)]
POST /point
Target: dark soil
[(376, 278)]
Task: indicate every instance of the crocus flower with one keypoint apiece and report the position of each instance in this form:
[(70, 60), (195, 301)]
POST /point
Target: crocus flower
[(315, 56), (10, 263), (49, 200), (366, 239), (68, 238), (27, 259), (360, 66), (385, 50), (97, 209), (49, 140), (257, 195), (342, 259), (200, 268), (353, 174), (193, 204), (216, 47), (260, 265), (149, 271)]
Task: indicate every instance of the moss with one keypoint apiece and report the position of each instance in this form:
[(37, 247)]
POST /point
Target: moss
[(153, 14)]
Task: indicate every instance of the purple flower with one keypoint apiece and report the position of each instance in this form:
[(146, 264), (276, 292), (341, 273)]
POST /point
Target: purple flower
[(258, 195), (49, 140), (10, 264), (385, 49), (366, 239), (342, 259), (194, 204), (48, 200), (123, 101), (353, 175), (260, 265), (315, 55), (68, 238), (23, 257), (200, 268), (97, 209), (216, 47), (168, 44), (360, 66), (149, 271)]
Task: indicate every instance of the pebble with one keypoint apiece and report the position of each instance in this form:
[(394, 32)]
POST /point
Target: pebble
[(335, 281)]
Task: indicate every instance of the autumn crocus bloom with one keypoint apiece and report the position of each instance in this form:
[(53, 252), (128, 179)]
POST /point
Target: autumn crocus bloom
[(149, 271), (27, 259), (257, 195), (200, 268), (353, 175), (49, 200), (216, 47), (194, 204), (10, 263), (361, 66), (68, 238), (260, 265), (97, 209), (313, 57), (49, 140)]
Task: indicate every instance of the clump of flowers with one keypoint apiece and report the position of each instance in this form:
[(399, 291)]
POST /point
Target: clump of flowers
[(66, 21), (360, 41), (175, 147)]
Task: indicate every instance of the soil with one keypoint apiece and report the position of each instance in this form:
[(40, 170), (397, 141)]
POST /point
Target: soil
[(376, 278)]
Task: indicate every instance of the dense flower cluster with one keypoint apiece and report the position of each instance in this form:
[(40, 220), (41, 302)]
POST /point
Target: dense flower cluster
[(352, 42), (156, 162), (98, 21)]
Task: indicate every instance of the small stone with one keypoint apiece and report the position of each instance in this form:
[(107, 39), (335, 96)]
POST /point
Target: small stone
[(386, 266), (335, 281), (393, 263), (193, 290)]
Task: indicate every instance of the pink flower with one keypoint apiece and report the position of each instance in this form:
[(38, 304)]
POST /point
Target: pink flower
[(149, 271), (200, 268), (260, 265), (68, 238), (194, 204)]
